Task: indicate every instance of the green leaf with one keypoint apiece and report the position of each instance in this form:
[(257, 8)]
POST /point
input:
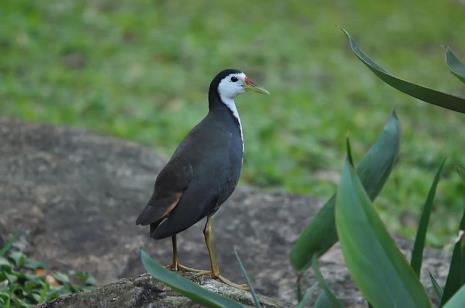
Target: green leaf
[(458, 300), (425, 94), (327, 297), (18, 257), (86, 279), (249, 283), (417, 253), (456, 277), (307, 296), (437, 288), (461, 172), (184, 286), (63, 278), (375, 263), (322, 301), (31, 264), (4, 262), (373, 170), (11, 278), (7, 246), (455, 66)]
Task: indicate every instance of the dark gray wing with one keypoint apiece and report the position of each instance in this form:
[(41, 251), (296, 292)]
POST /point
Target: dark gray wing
[(170, 185), (201, 198), (212, 172), (192, 207)]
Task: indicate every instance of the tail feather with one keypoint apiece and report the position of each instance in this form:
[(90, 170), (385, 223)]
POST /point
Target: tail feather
[(157, 209)]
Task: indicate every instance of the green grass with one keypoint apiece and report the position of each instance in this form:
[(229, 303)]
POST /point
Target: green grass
[(25, 283), (140, 70)]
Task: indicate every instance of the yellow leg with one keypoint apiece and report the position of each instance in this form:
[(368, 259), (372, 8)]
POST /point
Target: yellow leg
[(215, 271), (175, 264)]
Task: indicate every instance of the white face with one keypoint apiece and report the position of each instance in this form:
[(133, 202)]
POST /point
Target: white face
[(232, 85)]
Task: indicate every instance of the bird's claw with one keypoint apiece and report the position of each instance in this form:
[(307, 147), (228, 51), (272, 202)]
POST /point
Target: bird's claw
[(222, 279), (177, 267), (242, 286)]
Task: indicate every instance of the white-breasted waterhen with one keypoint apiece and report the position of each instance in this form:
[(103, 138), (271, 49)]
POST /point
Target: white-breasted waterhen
[(203, 171)]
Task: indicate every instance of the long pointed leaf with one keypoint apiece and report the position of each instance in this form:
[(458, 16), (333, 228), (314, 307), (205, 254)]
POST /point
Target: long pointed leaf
[(184, 286), (327, 298), (307, 296), (437, 288), (375, 263), (425, 94), (374, 169), (419, 245), (249, 283), (455, 279), (455, 66)]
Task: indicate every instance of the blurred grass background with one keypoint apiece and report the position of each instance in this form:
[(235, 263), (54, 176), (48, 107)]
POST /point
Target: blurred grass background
[(140, 70)]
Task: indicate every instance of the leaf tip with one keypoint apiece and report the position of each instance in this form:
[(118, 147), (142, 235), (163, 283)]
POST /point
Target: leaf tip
[(349, 151)]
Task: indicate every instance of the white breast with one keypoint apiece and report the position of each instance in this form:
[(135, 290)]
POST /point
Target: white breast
[(232, 106)]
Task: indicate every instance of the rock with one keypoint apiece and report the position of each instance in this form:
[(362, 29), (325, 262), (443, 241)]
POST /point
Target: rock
[(75, 196), (145, 291)]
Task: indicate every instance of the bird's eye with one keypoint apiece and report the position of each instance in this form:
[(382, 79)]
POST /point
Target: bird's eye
[(234, 79)]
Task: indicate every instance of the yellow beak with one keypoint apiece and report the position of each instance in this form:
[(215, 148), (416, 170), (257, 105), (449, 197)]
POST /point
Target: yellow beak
[(249, 85)]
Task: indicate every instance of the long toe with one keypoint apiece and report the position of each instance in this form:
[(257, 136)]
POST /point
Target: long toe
[(232, 284), (172, 267), (203, 273), (187, 269), (222, 279)]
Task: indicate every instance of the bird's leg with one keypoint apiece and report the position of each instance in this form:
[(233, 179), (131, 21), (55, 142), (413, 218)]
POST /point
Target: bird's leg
[(176, 265), (215, 271), (207, 232)]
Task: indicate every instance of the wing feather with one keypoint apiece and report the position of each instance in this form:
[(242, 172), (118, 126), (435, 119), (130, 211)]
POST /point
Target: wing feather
[(170, 185)]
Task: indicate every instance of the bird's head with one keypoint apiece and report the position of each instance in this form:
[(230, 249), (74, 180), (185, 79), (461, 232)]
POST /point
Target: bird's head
[(230, 83)]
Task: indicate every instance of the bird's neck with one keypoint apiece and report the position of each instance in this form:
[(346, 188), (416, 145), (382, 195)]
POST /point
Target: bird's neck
[(226, 108)]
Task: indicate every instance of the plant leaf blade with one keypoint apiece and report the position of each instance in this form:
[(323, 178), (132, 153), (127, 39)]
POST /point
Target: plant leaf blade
[(374, 169), (458, 300), (307, 296), (375, 263), (327, 298), (455, 278), (249, 283), (437, 288), (185, 286), (420, 239), (456, 67), (425, 94)]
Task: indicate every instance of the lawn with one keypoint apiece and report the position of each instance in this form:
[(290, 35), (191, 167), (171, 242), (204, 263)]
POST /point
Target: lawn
[(140, 70)]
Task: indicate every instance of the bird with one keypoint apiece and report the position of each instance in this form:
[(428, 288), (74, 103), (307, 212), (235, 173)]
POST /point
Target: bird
[(203, 171)]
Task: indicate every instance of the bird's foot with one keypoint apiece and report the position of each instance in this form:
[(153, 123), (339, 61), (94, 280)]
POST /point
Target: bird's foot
[(242, 286), (222, 279), (203, 273), (181, 268)]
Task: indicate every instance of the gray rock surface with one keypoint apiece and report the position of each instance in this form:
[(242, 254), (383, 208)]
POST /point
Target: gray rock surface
[(75, 197), (146, 292)]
